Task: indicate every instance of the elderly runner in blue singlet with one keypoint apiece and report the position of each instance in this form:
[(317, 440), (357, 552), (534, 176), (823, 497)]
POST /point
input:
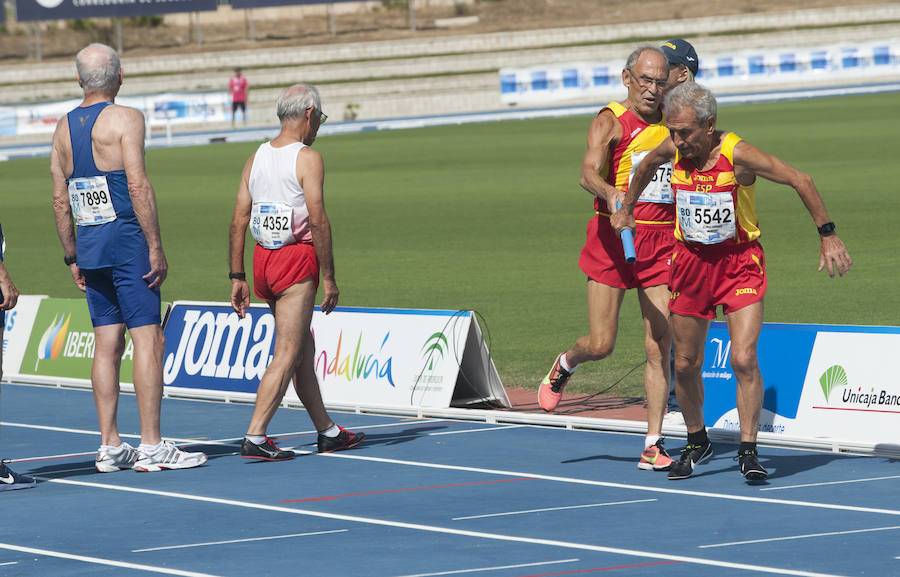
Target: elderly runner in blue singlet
[(100, 189)]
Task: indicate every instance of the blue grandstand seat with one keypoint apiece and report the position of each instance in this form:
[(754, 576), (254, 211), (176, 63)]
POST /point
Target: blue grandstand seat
[(600, 76)]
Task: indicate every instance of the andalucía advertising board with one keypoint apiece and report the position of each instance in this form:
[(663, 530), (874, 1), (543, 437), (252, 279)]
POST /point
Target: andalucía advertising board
[(821, 382), (363, 356)]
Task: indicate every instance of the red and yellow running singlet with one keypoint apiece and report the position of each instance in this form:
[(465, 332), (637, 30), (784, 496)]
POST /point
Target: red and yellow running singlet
[(713, 208), (655, 207)]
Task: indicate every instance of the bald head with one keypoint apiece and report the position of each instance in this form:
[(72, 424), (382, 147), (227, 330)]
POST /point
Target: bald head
[(650, 55), (295, 100), (98, 69)]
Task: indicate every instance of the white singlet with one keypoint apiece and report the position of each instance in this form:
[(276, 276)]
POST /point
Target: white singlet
[(279, 215)]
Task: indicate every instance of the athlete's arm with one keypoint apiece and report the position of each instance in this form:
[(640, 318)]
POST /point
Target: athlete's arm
[(62, 210), (643, 174), (750, 162), (311, 176), (143, 198), (604, 133), (240, 290), (10, 293)]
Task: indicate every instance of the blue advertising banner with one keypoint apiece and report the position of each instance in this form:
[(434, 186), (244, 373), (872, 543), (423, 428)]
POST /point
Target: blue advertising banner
[(30, 10), (242, 4), (834, 382)]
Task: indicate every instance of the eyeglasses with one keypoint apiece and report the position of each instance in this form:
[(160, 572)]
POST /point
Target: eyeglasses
[(646, 82), (322, 116)]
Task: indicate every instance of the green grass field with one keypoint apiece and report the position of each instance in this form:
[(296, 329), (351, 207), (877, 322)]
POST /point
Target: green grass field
[(490, 217)]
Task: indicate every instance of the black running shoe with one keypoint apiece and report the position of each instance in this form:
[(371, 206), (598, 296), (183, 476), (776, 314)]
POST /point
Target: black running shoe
[(268, 451), (10, 480), (344, 440), (690, 455), (750, 467)]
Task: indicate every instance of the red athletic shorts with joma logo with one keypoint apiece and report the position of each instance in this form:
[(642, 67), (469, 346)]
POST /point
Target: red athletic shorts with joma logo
[(703, 277)]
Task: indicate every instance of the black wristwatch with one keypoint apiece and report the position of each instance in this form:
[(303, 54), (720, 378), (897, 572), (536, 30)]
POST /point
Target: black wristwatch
[(826, 229), (237, 276), (70, 260)]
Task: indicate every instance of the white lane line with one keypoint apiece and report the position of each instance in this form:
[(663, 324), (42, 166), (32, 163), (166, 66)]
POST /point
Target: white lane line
[(553, 509), (9, 563), (61, 429), (50, 457), (89, 432), (808, 536), (477, 430), (99, 561), (447, 530), (595, 483), (830, 483), (458, 571), (238, 541), (224, 442)]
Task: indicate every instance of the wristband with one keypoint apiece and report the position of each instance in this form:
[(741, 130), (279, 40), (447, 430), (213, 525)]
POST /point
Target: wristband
[(237, 276), (70, 260)]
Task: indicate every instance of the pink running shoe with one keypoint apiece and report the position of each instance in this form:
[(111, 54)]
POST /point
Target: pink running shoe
[(655, 458), (550, 391)]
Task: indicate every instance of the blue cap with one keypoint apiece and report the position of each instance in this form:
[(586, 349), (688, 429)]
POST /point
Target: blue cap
[(680, 51)]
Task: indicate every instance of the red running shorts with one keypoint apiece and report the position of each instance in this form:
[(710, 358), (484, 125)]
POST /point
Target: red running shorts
[(274, 270), (706, 276), (603, 260)]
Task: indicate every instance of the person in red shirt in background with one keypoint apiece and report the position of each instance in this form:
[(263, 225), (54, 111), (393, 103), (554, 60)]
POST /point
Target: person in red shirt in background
[(238, 87)]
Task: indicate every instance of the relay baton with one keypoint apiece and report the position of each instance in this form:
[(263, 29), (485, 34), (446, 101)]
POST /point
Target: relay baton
[(627, 241)]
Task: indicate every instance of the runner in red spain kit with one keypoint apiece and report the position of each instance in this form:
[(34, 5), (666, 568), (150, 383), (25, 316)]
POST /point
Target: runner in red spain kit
[(718, 261), (620, 136)]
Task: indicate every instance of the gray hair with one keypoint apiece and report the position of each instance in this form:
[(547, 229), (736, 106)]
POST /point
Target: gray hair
[(698, 97), (98, 67), (296, 100), (636, 55)]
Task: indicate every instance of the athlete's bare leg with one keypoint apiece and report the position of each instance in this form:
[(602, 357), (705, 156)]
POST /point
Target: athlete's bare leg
[(657, 344), (307, 386), (604, 303), (744, 327), (149, 348), (109, 345), (292, 308), (689, 336)]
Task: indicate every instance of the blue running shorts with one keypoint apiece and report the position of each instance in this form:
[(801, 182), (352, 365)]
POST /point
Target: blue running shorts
[(118, 294)]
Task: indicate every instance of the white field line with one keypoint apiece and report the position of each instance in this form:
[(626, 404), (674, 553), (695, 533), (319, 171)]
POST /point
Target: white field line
[(553, 509), (224, 442), (449, 531), (189, 545), (595, 483), (458, 571), (831, 483), (99, 561), (808, 536)]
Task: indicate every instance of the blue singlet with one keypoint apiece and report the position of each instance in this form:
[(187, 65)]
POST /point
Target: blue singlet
[(112, 243)]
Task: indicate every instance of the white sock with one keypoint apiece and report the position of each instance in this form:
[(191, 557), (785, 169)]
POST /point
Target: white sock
[(150, 449), (256, 439), (331, 432), (650, 440), (564, 363), (111, 449)]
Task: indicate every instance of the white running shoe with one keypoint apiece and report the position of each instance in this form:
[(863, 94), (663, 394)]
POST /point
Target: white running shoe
[(109, 461), (168, 456)]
